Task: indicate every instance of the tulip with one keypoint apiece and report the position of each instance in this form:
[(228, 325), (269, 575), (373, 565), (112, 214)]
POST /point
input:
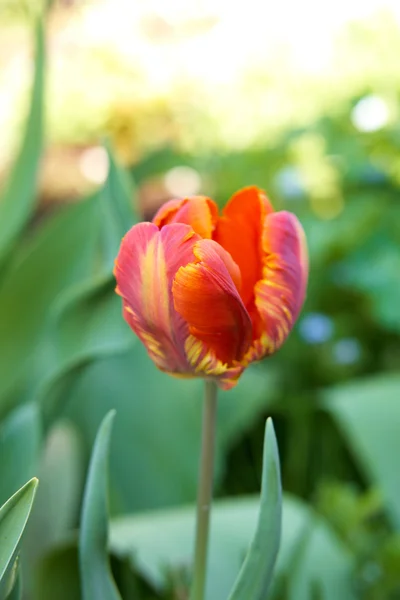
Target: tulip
[(208, 294)]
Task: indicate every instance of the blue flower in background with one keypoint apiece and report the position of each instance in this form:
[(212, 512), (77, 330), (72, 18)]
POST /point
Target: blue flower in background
[(316, 328)]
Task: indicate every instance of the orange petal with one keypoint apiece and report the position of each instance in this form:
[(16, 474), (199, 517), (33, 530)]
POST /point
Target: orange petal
[(200, 212), (206, 296), (280, 293), (239, 231), (206, 364), (147, 262)]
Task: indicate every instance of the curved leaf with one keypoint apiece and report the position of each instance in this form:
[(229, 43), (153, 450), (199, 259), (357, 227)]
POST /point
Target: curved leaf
[(255, 576), (96, 579), (116, 208), (61, 474), (139, 446), (160, 543), (13, 518), (368, 412), (18, 199), (62, 252), (86, 319)]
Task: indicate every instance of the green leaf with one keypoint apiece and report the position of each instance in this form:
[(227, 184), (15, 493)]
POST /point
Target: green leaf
[(16, 592), (373, 270), (13, 518), (61, 474), (368, 412), (86, 319), (57, 575), (87, 325), (160, 541), (142, 448), (321, 566), (18, 200), (59, 255), (255, 576), (68, 260), (96, 579), (20, 443), (116, 207), (61, 481)]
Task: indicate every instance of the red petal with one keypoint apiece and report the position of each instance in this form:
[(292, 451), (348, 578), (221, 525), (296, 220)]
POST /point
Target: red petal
[(147, 262), (206, 297), (206, 364), (239, 231), (280, 294), (200, 212)]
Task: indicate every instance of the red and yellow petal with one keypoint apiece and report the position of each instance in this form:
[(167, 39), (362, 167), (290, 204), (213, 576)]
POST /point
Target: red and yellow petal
[(205, 364), (280, 293), (200, 212), (239, 231), (145, 267), (206, 296)]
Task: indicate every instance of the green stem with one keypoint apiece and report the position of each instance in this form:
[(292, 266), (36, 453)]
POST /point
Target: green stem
[(204, 493)]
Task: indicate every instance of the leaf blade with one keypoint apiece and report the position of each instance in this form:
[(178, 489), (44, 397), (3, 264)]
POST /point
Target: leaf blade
[(14, 515), (96, 578), (367, 411), (18, 199), (255, 576)]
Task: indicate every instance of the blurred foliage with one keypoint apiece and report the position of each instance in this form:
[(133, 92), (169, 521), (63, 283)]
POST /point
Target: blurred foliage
[(333, 390)]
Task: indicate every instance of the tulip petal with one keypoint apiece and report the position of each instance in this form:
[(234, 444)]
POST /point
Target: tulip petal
[(145, 267), (206, 296), (280, 294), (200, 212), (206, 364), (239, 231)]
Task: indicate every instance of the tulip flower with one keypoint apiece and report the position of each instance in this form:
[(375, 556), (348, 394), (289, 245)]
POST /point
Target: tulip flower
[(208, 294)]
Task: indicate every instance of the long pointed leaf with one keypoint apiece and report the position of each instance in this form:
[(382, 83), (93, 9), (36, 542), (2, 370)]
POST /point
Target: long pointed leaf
[(117, 210), (255, 576), (17, 202), (96, 578), (13, 518)]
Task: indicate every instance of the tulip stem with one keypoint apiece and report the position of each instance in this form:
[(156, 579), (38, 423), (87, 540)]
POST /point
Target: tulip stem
[(204, 493)]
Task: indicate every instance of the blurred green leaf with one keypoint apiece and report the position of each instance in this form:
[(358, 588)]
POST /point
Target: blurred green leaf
[(86, 319), (154, 455), (368, 412), (16, 592), (17, 202), (88, 325), (20, 443), (374, 270), (61, 473), (117, 211), (68, 261), (59, 254), (14, 515), (56, 510), (57, 575), (161, 541), (255, 576), (322, 568), (96, 579)]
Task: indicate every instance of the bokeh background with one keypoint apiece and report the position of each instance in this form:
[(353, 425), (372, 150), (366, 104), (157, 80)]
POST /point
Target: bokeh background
[(154, 99)]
